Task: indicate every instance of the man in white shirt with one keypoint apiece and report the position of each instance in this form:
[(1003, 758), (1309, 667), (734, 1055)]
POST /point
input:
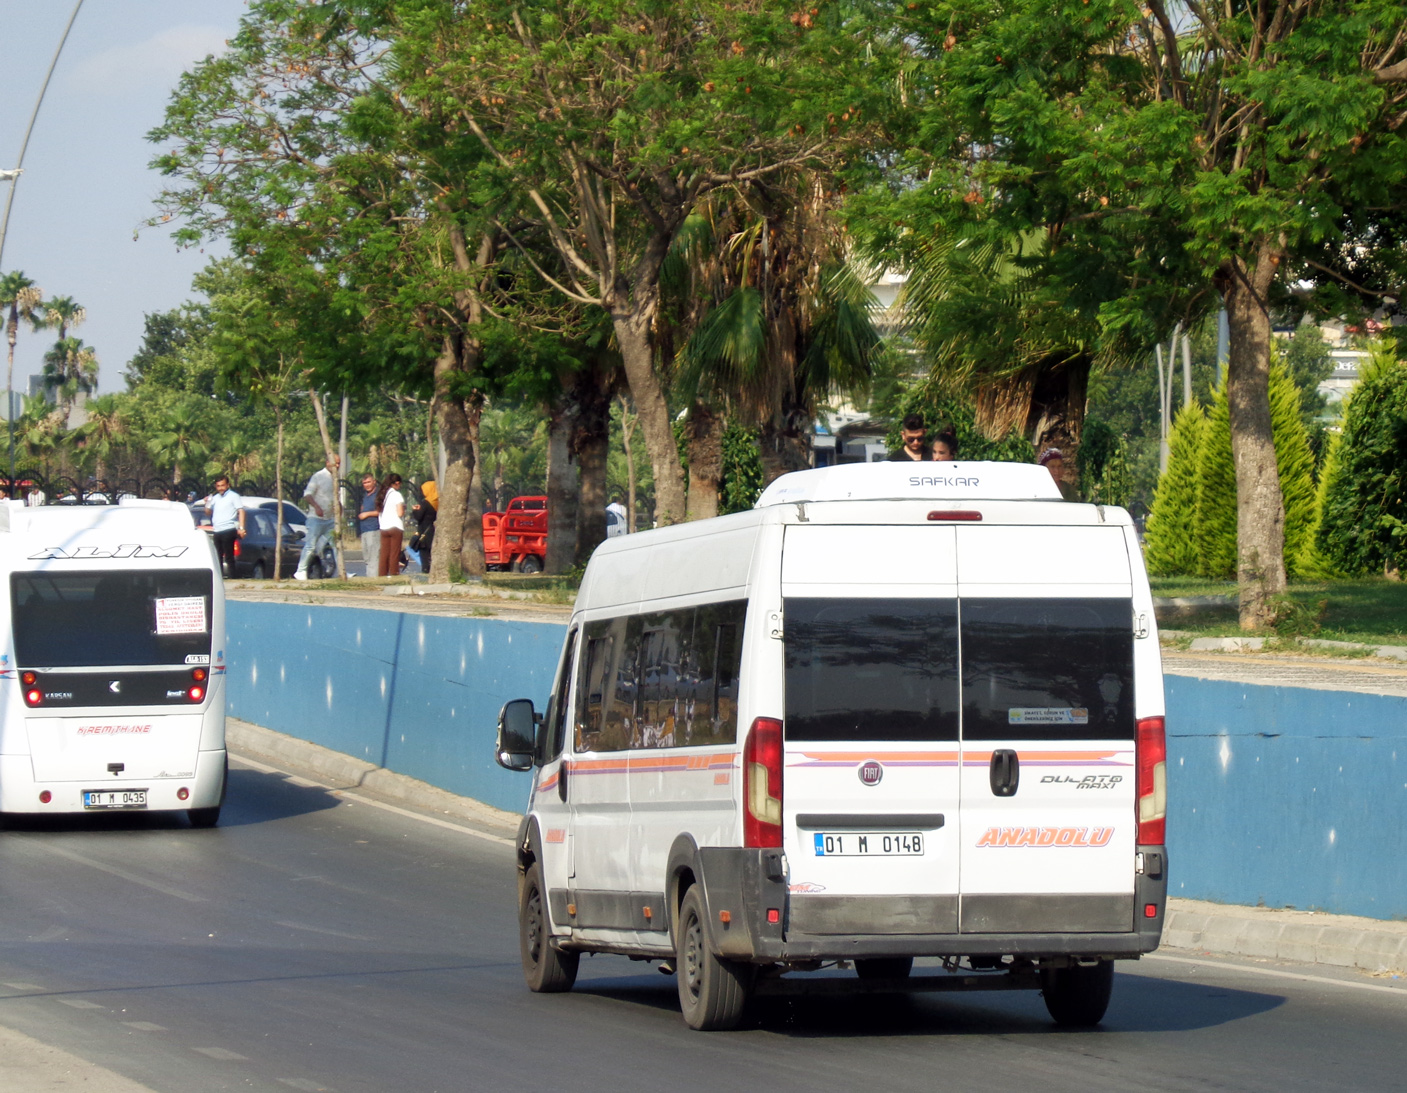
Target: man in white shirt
[(226, 509), (318, 498)]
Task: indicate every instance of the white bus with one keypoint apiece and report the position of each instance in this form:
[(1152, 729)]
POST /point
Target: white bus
[(895, 711), (112, 662)]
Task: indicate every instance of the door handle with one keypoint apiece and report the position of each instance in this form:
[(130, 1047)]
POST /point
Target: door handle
[(1005, 772), (562, 783)]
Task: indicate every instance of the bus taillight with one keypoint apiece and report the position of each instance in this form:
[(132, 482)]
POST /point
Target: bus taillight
[(199, 675), (762, 784), (33, 693)]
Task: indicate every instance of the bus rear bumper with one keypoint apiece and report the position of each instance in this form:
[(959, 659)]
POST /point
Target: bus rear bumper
[(20, 792)]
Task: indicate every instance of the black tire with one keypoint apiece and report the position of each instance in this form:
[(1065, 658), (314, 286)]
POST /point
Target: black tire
[(884, 967), (1078, 996), (204, 817), (329, 563), (547, 970), (259, 573), (712, 992), (529, 563), (315, 569)]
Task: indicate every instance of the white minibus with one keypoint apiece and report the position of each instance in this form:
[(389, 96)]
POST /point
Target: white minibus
[(112, 661), (894, 711)]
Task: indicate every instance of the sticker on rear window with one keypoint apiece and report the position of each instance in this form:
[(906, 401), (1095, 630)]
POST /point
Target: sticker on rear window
[(180, 615), (1047, 715)]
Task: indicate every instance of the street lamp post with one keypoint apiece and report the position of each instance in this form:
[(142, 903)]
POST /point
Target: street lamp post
[(12, 175)]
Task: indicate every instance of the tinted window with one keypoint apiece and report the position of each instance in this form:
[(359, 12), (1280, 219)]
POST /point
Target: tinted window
[(555, 719), (868, 669), (1047, 669), (87, 619), (661, 681)]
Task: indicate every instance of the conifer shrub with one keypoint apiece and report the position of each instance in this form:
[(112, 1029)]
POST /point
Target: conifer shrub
[(1214, 518), (1363, 523), (1169, 548)]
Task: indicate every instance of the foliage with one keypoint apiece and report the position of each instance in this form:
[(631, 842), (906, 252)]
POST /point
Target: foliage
[(742, 471), (938, 409), (1169, 548), (1363, 525), (1214, 520), (1295, 464)]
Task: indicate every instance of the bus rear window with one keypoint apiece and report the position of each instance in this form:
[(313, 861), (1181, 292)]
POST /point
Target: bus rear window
[(96, 619), (1047, 669), (871, 669)]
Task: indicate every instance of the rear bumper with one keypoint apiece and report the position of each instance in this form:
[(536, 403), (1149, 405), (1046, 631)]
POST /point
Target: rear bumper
[(19, 789), (747, 888)]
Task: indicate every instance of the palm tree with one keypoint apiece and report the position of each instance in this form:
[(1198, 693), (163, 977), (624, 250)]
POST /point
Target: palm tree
[(37, 429), (21, 297), (779, 319), (63, 312), (70, 367), (103, 433), (183, 440)]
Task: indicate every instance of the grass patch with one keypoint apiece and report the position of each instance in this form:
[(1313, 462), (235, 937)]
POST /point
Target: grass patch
[(1364, 612), (1180, 587)]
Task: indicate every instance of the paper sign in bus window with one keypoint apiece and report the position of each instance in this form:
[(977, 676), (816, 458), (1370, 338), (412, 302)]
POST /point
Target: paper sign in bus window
[(1047, 715), (180, 615)]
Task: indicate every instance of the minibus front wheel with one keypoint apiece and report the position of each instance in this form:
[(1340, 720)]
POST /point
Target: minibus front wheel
[(712, 992), (547, 970)]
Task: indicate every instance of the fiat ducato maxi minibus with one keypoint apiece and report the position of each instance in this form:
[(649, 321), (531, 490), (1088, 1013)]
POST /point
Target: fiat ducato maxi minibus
[(894, 711), (112, 661)]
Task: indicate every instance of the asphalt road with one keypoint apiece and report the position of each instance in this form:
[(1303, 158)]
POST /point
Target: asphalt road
[(316, 943)]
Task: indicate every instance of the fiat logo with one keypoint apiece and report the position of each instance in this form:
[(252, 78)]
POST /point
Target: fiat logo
[(871, 772)]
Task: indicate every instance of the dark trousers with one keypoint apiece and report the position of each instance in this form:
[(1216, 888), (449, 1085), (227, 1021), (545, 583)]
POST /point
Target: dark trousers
[(224, 549), (389, 564)]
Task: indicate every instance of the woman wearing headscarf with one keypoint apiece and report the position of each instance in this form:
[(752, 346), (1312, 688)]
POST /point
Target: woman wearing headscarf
[(424, 511)]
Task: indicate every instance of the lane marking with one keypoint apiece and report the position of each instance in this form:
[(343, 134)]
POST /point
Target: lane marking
[(81, 1004), (1301, 976), (22, 986), (82, 859), (305, 1084), (222, 1055), (349, 795), (322, 930), (146, 1026)]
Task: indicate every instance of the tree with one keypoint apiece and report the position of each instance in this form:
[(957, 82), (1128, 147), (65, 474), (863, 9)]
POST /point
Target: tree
[(1363, 524), (1202, 157), (1169, 548), (63, 312), (70, 368), (184, 441), (21, 297), (606, 122)]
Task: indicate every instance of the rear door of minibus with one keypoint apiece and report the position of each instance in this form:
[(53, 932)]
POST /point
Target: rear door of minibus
[(871, 779), (1048, 729)]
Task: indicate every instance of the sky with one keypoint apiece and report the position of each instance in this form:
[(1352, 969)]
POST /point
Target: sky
[(86, 187)]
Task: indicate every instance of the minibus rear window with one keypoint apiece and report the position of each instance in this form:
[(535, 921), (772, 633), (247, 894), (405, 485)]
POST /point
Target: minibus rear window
[(871, 669), (1047, 669), (102, 618)]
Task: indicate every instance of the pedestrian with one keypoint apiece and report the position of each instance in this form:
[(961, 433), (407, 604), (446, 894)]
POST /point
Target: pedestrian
[(912, 434), (945, 444), (391, 507), (425, 511), (319, 499), (369, 524), (226, 511), (617, 519), (1053, 460)]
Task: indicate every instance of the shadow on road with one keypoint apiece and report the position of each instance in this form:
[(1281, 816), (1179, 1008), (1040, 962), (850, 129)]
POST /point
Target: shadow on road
[(252, 797), (1141, 1003)]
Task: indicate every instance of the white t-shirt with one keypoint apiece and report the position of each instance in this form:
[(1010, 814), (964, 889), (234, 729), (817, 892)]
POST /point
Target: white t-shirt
[(320, 490), (391, 519)]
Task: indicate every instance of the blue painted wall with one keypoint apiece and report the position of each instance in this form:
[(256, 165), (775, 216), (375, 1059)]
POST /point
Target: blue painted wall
[(1288, 797), (1277, 795), (417, 694)]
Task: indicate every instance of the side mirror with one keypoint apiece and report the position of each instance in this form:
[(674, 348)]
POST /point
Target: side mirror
[(517, 725)]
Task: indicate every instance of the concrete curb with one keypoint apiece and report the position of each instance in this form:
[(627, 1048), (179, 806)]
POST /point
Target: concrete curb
[(346, 772), (1305, 937)]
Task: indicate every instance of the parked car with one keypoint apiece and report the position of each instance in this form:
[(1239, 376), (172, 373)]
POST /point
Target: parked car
[(254, 554)]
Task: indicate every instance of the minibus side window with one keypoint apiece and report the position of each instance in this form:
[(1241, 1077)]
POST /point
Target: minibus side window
[(718, 651), (592, 689), (556, 716), (666, 648), (871, 669), (1047, 669)]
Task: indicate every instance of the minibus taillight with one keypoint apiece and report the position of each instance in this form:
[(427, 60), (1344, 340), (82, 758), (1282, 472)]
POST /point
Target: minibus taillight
[(1152, 761), (762, 784), (32, 693)]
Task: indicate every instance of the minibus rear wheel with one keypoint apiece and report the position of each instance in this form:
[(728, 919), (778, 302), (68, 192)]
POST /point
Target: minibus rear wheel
[(1078, 996), (547, 970), (712, 992)]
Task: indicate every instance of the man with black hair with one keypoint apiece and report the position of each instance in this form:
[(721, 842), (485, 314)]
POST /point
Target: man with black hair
[(913, 434)]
